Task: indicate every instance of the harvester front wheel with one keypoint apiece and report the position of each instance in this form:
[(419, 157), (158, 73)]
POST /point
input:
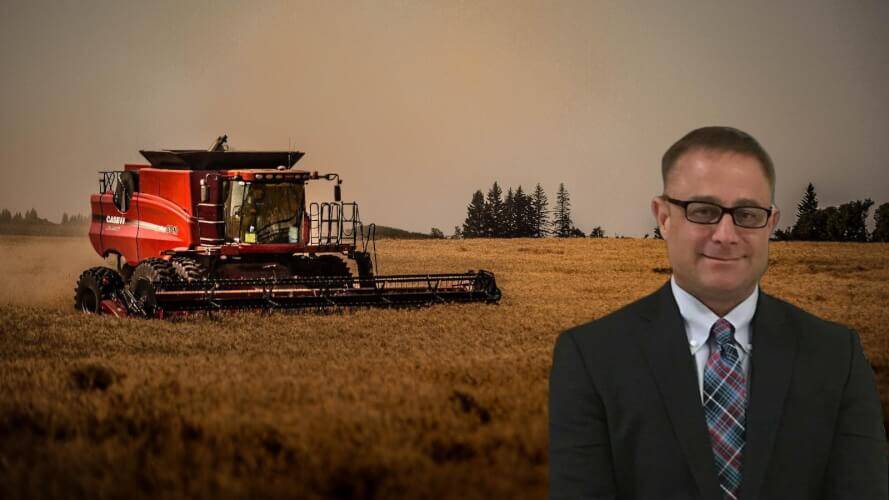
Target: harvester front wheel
[(95, 285), (320, 266), (144, 282), (331, 265), (188, 269)]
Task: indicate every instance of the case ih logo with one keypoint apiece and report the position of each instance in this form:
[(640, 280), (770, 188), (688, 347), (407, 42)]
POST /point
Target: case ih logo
[(116, 219)]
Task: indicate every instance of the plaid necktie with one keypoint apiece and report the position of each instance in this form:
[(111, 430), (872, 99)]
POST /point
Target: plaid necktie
[(725, 402)]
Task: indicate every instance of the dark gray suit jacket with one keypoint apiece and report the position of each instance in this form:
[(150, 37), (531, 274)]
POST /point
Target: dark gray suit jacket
[(626, 419)]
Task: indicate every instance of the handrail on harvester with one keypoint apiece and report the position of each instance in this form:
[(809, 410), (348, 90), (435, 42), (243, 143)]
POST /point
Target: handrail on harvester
[(333, 223)]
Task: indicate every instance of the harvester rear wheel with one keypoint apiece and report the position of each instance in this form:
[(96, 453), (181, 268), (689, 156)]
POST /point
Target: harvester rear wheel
[(188, 269), (145, 278), (95, 285)]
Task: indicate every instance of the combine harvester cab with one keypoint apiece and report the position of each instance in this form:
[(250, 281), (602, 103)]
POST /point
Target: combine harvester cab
[(212, 230)]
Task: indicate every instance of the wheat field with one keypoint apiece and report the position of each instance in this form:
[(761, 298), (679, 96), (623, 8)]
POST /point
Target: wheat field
[(443, 402)]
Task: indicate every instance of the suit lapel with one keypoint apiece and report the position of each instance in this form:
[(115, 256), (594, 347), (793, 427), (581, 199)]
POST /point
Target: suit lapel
[(774, 349), (665, 345)]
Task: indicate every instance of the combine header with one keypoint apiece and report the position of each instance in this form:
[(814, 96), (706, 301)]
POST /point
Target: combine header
[(218, 230)]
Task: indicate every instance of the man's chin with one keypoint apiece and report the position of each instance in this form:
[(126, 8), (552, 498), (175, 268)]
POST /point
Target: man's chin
[(718, 286), (721, 289)]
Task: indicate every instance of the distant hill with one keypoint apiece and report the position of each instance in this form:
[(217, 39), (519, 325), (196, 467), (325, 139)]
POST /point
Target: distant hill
[(386, 232), (43, 229)]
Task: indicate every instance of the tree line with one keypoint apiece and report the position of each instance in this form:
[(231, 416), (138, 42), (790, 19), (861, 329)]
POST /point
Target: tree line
[(519, 215), (30, 223), (31, 217), (527, 215), (846, 222)]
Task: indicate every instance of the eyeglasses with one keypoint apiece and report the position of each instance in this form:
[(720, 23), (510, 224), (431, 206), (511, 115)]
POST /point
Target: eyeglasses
[(703, 212)]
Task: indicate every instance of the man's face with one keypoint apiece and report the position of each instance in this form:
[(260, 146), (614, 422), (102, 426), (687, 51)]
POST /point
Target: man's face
[(717, 263)]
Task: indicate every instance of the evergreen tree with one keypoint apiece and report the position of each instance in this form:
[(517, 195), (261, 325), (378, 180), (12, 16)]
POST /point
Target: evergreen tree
[(458, 233), (17, 217), (5, 216), (809, 224), (782, 235), (850, 223), (881, 218), (657, 233), (809, 227), (436, 234), (844, 223), (64, 218), (830, 227), (474, 225), (809, 203), (523, 214), (31, 215), (562, 222), (539, 213), (494, 212), (597, 232), (509, 216)]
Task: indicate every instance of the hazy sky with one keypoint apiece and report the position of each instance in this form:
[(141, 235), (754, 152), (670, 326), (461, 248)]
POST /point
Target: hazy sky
[(418, 104)]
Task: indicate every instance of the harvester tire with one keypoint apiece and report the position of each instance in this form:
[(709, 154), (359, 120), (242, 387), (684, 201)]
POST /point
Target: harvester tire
[(320, 266), (145, 278), (126, 272), (95, 285), (188, 269), (331, 265)]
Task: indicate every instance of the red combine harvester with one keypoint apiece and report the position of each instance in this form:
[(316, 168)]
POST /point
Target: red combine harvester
[(219, 229)]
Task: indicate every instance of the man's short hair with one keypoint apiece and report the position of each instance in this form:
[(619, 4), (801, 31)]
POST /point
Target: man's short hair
[(726, 139)]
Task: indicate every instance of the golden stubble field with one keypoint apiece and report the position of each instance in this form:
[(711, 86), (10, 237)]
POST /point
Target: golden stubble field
[(444, 402)]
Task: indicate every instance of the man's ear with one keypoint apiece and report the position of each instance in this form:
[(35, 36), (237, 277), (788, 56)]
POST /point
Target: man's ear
[(661, 213), (776, 216)]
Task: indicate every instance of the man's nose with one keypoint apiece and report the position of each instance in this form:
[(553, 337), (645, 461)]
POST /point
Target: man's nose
[(726, 231)]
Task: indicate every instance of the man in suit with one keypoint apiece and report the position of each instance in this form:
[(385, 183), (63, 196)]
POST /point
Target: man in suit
[(710, 388)]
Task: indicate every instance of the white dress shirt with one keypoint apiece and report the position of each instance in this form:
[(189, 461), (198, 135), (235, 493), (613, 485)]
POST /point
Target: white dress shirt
[(698, 319)]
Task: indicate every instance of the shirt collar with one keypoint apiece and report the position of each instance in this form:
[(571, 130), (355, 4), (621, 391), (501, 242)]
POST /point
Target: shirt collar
[(699, 318)]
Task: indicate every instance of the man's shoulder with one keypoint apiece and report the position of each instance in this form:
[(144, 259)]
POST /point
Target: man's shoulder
[(614, 325), (806, 323)]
